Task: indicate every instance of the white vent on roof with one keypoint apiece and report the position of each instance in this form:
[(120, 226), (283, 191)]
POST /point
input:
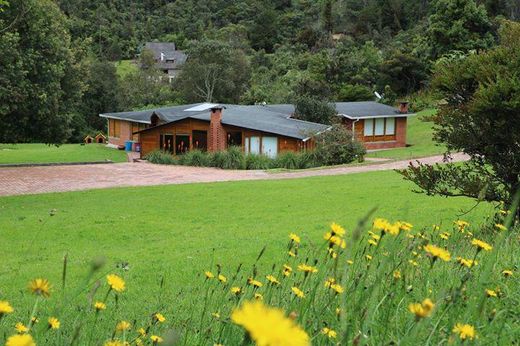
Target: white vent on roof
[(201, 107)]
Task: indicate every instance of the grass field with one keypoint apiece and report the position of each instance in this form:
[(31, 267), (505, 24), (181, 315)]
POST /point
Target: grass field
[(124, 67), (419, 138), (42, 153)]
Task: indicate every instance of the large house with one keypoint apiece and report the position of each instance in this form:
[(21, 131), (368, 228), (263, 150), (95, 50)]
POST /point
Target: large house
[(261, 129), (167, 58)]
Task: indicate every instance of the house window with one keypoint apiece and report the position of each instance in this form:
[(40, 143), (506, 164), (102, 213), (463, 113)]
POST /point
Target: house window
[(114, 128), (166, 143), (234, 139), (199, 140), (379, 129)]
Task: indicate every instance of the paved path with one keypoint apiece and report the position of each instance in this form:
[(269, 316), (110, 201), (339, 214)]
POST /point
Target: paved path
[(30, 180)]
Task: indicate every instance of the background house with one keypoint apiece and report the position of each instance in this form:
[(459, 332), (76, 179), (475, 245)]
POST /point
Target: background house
[(167, 58)]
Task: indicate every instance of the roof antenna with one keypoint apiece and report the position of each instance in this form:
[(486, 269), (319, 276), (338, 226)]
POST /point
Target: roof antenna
[(378, 95)]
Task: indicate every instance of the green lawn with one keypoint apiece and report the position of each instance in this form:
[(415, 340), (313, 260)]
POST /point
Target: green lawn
[(176, 231), (124, 67), (42, 153), (419, 139)]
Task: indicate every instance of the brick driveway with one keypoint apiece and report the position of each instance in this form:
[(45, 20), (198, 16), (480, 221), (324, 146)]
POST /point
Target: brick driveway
[(31, 180)]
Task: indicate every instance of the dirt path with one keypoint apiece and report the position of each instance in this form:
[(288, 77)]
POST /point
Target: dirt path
[(32, 180)]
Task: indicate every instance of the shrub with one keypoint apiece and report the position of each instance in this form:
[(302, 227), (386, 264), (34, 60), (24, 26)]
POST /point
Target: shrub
[(162, 158), (306, 159), (287, 159), (232, 158), (255, 161), (195, 158), (338, 146)]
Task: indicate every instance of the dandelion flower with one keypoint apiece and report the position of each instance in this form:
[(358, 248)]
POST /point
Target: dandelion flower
[(259, 296), (287, 270), (34, 320), (116, 283), (414, 263), (114, 343), (20, 340), (272, 280), (387, 227), (396, 274), (329, 282), (405, 226), (53, 323), (307, 268), (329, 332), (222, 278), (501, 227), (294, 238), (461, 225), (255, 283), (437, 252), (332, 253), (156, 339), (291, 254), (5, 308), (368, 257), (481, 245), (507, 273), (99, 306), (466, 262), (21, 328), (269, 326), (215, 314), (445, 235), (372, 242), (465, 331), (159, 317), (236, 290), (299, 293), (122, 326), (350, 262), (141, 331), (337, 288), (491, 293), (40, 287), (421, 310), (209, 275), (334, 240), (338, 311), (337, 229)]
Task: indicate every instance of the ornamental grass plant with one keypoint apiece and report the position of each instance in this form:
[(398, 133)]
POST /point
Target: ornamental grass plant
[(382, 282)]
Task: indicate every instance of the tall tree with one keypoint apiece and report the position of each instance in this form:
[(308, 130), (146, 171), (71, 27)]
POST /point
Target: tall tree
[(39, 83), (481, 118)]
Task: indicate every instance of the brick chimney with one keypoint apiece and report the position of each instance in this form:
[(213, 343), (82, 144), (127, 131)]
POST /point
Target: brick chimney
[(403, 107), (217, 134)]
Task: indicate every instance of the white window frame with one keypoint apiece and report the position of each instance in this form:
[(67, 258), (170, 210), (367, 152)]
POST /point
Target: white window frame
[(368, 127)]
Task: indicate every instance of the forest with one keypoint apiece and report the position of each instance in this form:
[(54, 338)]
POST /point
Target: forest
[(58, 57)]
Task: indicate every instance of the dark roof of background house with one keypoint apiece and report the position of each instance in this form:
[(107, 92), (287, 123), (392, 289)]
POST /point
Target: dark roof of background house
[(170, 53), (267, 118)]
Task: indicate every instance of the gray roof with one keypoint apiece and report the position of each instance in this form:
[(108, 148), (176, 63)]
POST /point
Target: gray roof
[(267, 118), (170, 53)]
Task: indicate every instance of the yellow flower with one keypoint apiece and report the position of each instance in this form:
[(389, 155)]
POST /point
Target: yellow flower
[(491, 293), (500, 227), (338, 311), (114, 343), (156, 339), (215, 314), (141, 331), (294, 238), (116, 283), (405, 226), (209, 275), (332, 253), (414, 263), (329, 332), (445, 235), (99, 306), (21, 328), (337, 229), (40, 287), (236, 290), (222, 278), (122, 326), (351, 262), (397, 274), (272, 279), (5, 308), (383, 225), (465, 331), (368, 257), (337, 288), (299, 293), (254, 283), (159, 317), (54, 323), (307, 268), (461, 225), (269, 326), (335, 240), (20, 340), (466, 262), (372, 242), (421, 310), (286, 270), (291, 254), (437, 252), (329, 282), (259, 296), (481, 245), (507, 273)]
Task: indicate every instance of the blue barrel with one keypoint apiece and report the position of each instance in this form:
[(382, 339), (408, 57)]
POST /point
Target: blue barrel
[(128, 145)]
